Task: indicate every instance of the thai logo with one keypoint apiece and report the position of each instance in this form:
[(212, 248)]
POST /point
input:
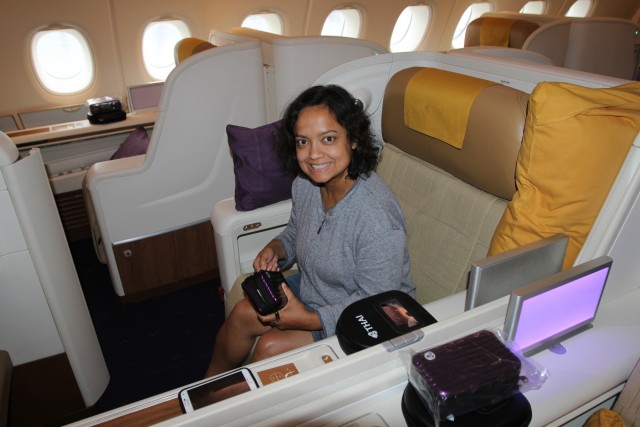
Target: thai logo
[(367, 327)]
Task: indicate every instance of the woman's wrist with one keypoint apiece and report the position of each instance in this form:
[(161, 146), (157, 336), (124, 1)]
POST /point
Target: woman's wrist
[(278, 249), (312, 321)]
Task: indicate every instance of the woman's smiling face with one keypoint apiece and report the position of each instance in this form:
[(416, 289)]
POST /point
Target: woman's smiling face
[(323, 149)]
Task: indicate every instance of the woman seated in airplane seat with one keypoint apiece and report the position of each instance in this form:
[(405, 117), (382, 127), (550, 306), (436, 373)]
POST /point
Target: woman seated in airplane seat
[(346, 232)]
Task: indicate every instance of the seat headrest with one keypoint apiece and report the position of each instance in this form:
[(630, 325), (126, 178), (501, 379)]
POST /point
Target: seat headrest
[(493, 31), (495, 124), (190, 46)]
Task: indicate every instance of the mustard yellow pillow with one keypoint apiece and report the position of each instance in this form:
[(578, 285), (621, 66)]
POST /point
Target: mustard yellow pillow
[(574, 142), (604, 418)]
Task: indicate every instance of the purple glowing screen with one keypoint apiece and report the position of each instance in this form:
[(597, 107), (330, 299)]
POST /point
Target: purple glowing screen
[(555, 308)]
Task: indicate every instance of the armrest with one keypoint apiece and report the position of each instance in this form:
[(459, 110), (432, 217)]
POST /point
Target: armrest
[(112, 168), (239, 236)]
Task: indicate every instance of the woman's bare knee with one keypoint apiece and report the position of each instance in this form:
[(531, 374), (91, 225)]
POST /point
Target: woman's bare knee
[(277, 342), (267, 346), (243, 317), (242, 311)]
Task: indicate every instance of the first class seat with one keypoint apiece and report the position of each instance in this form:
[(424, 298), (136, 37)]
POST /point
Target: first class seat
[(149, 213), (240, 235), (423, 173), (597, 45), (188, 47), (508, 32)]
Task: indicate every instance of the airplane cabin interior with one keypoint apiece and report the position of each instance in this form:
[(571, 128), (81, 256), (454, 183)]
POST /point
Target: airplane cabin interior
[(124, 129)]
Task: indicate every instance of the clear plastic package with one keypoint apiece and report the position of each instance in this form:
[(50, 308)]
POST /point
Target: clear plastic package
[(470, 373)]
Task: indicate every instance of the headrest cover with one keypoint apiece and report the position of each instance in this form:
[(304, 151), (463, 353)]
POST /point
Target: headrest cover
[(495, 125), (494, 31), (437, 103), (190, 46)]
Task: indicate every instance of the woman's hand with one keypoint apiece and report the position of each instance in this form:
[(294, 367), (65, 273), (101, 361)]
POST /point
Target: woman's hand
[(267, 258), (294, 315)]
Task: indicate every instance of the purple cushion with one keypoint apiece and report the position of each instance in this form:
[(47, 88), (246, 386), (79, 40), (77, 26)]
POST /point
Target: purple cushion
[(136, 143), (261, 179)]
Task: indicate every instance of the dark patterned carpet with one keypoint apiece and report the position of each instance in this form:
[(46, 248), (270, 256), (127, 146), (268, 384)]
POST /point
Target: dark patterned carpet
[(150, 346)]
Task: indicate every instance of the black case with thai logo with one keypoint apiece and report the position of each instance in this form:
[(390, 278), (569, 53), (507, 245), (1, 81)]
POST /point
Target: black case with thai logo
[(379, 318)]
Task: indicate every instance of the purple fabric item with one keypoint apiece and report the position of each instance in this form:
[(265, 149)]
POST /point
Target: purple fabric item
[(261, 179), (136, 143)]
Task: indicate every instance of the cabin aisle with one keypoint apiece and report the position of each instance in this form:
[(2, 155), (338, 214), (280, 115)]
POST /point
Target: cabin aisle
[(151, 346)]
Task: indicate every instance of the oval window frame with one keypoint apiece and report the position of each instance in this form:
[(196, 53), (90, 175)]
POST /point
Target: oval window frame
[(410, 31), (351, 23), (272, 22), (45, 75), (159, 72)]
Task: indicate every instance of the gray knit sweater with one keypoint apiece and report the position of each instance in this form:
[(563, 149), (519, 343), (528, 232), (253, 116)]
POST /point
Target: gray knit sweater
[(354, 250)]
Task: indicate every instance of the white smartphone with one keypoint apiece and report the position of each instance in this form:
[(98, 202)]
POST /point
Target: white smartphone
[(216, 389)]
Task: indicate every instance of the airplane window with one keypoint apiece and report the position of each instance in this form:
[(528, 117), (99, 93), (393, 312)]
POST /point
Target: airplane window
[(579, 9), (410, 28), (473, 12), (264, 21), (343, 23), (534, 7), (62, 60), (158, 43)]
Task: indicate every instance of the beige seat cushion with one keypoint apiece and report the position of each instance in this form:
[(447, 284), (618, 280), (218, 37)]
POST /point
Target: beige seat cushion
[(449, 222)]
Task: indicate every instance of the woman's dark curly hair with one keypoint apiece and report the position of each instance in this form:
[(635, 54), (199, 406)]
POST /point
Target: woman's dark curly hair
[(348, 112)]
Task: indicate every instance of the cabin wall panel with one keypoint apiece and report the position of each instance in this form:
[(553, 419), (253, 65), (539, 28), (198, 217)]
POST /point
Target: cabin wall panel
[(445, 17), (222, 17), (114, 29), (507, 5), (131, 17), (437, 38), (377, 27), (614, 8), (20, 18), (554, 7)]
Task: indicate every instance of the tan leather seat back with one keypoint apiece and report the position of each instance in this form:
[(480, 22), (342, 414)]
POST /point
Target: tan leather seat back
[(494, 131)]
